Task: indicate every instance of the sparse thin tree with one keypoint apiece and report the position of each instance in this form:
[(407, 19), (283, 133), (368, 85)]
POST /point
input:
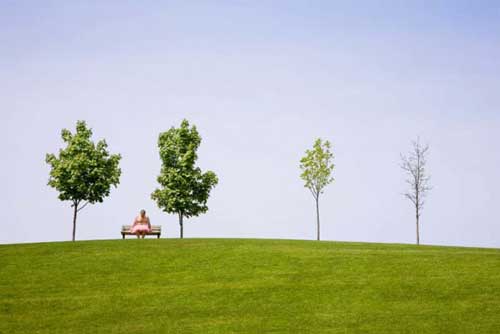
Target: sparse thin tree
[(317, 166), (184, 188), (415, 164), (83, 172)]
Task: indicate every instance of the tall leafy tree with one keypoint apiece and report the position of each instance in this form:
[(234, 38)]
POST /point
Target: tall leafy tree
[(83, 172), (317, 166), (415, 167), (184, 188)]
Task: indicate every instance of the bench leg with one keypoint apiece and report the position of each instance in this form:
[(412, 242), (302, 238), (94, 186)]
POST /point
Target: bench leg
[(158, 236), (123, 236)]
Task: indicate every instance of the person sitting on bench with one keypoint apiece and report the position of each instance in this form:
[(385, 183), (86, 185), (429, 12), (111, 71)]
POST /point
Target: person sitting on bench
[(141, 225)]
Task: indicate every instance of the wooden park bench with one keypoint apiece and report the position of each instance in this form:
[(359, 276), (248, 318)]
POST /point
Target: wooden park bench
[(155, 230)]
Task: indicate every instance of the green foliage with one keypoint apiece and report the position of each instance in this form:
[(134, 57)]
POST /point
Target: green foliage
[(317, 167), (184, 187), (247, 286), (83, 171)]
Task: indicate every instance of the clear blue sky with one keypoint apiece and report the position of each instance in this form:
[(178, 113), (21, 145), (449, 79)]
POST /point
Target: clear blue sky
[(261, 80)]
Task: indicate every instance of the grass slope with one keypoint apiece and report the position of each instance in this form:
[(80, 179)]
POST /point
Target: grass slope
[(247, 286)]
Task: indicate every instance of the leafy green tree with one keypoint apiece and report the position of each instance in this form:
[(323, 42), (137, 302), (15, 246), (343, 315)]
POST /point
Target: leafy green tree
[(184, 188), (317, 166), (83, 172)]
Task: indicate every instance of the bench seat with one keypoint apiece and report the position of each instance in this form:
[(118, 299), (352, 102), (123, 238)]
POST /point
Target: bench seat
[(155, 230)]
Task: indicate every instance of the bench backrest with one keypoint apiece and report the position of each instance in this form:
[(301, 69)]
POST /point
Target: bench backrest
[(154, 228)]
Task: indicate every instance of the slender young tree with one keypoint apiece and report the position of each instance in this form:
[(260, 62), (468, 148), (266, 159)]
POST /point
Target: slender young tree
[(414, 165), (83, 172), (184, 189), (317, 166)]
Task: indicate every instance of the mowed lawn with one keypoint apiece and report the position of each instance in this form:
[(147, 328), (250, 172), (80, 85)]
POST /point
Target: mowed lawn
[(247, 286)]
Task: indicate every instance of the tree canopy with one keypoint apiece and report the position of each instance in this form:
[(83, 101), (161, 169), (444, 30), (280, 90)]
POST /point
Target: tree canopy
[(317, 167)]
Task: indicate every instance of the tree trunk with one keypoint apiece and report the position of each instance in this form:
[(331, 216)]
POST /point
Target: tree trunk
[(181, 224), (75, 212), (418, 231), (317, 217), (417, 207)]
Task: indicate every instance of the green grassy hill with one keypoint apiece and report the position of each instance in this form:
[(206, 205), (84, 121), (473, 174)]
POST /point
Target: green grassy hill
[(247, 286)]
